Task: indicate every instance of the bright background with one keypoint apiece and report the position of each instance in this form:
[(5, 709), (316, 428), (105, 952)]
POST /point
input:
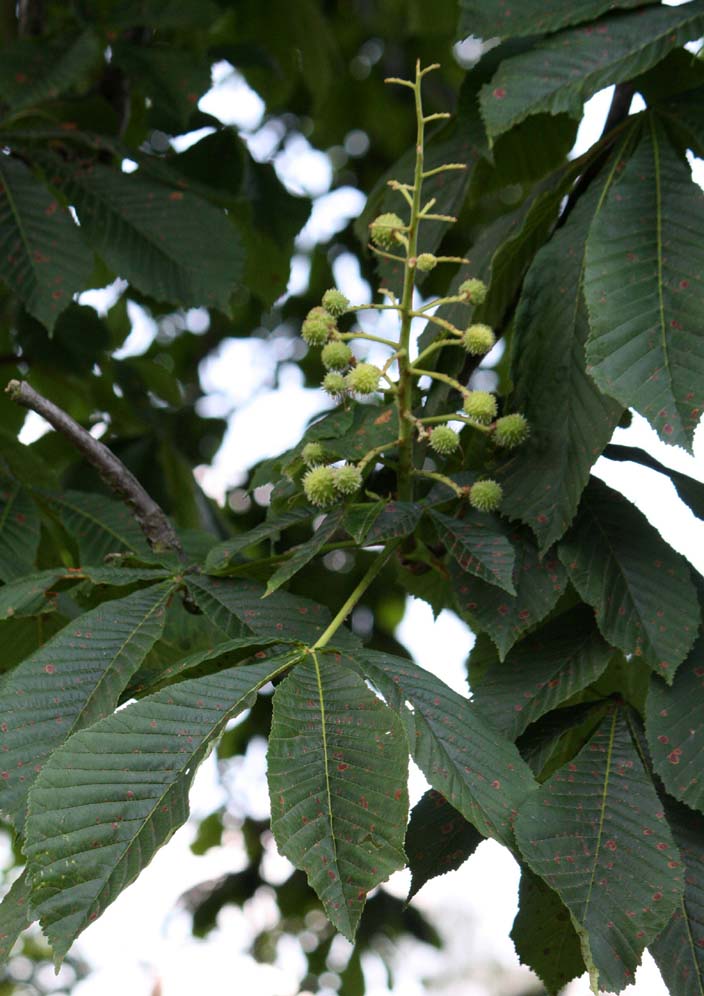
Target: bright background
[(142, 945)]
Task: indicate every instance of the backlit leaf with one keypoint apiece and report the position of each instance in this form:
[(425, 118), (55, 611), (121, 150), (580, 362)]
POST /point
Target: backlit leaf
[(338, 768), (14, 915), (70, 682), (108, 799)]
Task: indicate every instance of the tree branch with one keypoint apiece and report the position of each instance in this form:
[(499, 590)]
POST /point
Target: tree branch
[(151, 517)]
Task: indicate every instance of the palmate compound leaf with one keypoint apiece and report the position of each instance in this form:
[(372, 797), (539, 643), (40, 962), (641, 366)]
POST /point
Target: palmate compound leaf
[(338, 771), (14, 915), (496, 18), (539, 582), (544, 935), (238, 608), (19, 530), (43, 258), (596, 833), (674, 723), (438, 840), (645, 289), (571, 421), (109, 797), (641, 589), (542, 671), (679, 950), (70, 682), (480, 545), (559, 74), (476, 768)]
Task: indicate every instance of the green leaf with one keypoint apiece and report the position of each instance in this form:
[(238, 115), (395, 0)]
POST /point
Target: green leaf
[(674, 722), (539, 584), (644, 289), (19, 531), (167, 242), (21, 637), (14, 915), (596, 833), (227, 554), (542, 671), (547, 744), (463, 757), (36, 69), (496, 18), (679, 950), (338, 771), (395, 520), (372, 426), (305, 552), (360, 517), (99, 525), (544, 935), (438, 840), (238, 609), (108, 799), (689, 490), (479, 544), (70, 682), (43, 258), (645, 601), (173, 79), (571, 421), (562, 72)]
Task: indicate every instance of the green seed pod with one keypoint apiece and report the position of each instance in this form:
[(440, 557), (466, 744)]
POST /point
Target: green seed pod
[(319, 486), (481, 406), (473, 290), (384, 229), (478, 339), (426, 262), (511, 430), (485, 495), (364, 378), (313, 454), (348, 479), (444, 440), (336, 355), (317, 327), (334, 384), (335, 302)]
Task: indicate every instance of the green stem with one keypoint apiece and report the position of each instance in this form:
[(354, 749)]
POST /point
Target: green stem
[(434, 476), (405, 380), (436, 375), (344, 336), (375, 568), (436, 320), (438, 344), (369, 456)]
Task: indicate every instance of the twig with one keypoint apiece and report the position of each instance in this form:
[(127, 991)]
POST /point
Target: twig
[(150, 516)]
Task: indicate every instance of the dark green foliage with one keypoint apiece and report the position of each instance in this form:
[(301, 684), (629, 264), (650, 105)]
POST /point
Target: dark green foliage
[(580, 743)]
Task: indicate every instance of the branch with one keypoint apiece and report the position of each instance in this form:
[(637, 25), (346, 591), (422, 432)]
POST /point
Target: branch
[(30, 15), (150, 516)]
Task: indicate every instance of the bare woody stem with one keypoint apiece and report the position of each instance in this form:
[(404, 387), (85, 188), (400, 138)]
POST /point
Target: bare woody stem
[(151, 517)]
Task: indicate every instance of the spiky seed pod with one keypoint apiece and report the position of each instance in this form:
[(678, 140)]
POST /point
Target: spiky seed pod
[(335, 302), (478, 339), (317, 327), (348, 479), (485, 495), (313, 454), (444, 440), (426, 262), (336, 355), (511, 430), (384, 229), (319, 486), (364, 378), (480, 406), (334, 384), (473, 290)]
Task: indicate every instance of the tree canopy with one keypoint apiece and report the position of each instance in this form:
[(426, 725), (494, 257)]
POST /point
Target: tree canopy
[(524, 303)]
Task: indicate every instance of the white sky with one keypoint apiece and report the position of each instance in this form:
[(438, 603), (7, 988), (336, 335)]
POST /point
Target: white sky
[(142, 938)]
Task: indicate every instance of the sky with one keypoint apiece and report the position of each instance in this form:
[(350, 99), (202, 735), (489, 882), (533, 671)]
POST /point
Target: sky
[(144, 938)]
